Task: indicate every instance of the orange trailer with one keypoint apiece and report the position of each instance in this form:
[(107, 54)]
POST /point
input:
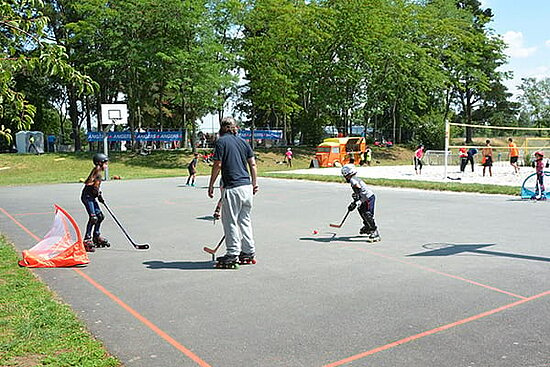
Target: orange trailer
[(335, 152)]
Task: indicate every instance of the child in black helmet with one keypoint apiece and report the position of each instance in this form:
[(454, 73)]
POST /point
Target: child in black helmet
[(366, 199), (192, 168), (91, 194)]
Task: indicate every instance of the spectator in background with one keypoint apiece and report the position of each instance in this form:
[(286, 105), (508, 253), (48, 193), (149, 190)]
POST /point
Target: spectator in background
[(487, 153), (471, 152), (288, 156), (463, 155), (418, 155), (368, 155), (514, 155)]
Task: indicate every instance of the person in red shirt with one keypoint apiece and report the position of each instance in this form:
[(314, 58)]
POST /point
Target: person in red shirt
[(418, 154), (463, 155)]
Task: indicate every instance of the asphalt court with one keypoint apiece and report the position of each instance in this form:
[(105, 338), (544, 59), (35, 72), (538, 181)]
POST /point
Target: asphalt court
[(458, 279)]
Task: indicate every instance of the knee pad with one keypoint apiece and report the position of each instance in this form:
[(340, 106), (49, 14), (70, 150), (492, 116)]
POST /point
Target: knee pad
[(100, 217), (368, 220), (92, 219)]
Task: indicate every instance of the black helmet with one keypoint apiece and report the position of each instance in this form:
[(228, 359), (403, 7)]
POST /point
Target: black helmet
[(100, 158)]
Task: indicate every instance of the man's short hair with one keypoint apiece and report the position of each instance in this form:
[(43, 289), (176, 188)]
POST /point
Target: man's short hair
[(228, 121)]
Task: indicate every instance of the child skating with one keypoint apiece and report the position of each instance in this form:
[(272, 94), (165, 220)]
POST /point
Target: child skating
[(364, 200), (539, 167), (192, 168), (91, 194)]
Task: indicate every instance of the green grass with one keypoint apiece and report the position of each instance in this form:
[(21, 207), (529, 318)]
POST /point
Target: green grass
[(23, 169), (423, 185), (36, 328), (72, 167)]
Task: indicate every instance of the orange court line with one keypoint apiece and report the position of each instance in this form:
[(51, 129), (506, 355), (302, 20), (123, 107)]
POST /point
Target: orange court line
[(23, 214), (434, 331), (130, 310), (20, 225), (439, 272), (145, 321)]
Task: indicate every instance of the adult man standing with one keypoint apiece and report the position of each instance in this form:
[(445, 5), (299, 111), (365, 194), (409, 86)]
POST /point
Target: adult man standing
[(487, 153), (232, 157), (514, 155)]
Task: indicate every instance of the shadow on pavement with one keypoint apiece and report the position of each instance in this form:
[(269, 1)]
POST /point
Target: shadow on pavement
[(449, 249), (182, 265), (333, 238)]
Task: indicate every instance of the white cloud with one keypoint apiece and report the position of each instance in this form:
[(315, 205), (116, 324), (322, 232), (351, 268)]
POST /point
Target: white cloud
[(547, 43), (516, 47), (485, 3), (540, 72)]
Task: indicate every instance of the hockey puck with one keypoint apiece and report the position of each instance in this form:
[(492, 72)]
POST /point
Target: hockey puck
[(315, 231)]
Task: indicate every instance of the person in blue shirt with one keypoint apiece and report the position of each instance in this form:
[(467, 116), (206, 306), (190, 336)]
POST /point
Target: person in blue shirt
[(234, 159), (471, 153)]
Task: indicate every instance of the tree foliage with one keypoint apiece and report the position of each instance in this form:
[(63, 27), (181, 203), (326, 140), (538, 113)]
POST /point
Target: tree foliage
[(25, 50), (399, 67)]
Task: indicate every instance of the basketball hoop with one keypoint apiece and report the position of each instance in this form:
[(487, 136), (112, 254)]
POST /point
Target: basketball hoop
[(112, 114)]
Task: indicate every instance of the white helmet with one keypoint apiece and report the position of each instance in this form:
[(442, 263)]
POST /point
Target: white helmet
[(348, 170)]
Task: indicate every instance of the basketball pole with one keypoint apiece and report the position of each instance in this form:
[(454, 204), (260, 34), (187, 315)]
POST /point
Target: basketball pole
[(106, 146), (445, 153)]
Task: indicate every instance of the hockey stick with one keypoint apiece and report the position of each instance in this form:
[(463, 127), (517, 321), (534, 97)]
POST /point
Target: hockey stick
[(144, 246), (341, 223), (213, 251)]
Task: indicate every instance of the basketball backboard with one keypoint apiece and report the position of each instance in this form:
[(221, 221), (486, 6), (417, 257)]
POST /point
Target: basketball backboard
[(116, 114)]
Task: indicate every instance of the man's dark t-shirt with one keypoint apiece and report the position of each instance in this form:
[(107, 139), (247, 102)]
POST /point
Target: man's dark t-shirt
[(233, 152)]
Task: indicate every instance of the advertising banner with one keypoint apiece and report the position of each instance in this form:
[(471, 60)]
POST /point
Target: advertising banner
[(167, 136), (262, 134)]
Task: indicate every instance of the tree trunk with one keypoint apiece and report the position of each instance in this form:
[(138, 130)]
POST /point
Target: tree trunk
[(468, 112), (394, 120), (73, 114), (88, 119)]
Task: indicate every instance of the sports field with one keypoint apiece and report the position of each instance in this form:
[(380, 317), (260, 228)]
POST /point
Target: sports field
[(458, 279)]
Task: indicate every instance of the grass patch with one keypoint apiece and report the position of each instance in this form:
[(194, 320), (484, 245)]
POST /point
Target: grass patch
[(423, 185), (71, 167), (51, 168), (37, 329)]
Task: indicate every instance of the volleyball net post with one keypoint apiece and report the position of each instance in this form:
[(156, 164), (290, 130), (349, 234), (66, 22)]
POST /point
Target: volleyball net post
[(447, 143)]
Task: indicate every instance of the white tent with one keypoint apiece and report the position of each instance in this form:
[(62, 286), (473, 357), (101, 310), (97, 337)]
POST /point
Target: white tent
[(23, 142)]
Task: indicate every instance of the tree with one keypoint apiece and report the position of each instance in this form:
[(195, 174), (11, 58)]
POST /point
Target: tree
[(24, 50), (535, 101), (475, 71)]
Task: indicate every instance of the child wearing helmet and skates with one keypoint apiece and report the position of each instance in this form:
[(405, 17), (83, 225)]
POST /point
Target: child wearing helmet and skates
[(539, 167), (363, 200), (91, 194)]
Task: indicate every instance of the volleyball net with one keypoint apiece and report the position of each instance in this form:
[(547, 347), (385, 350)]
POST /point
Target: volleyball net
[(528, 140)]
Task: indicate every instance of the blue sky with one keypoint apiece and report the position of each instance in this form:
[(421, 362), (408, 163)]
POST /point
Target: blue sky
[(525, 26)]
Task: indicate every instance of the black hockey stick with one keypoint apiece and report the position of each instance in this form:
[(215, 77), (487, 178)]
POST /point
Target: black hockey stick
[(341, 223), (213, 251), (138, 246)]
